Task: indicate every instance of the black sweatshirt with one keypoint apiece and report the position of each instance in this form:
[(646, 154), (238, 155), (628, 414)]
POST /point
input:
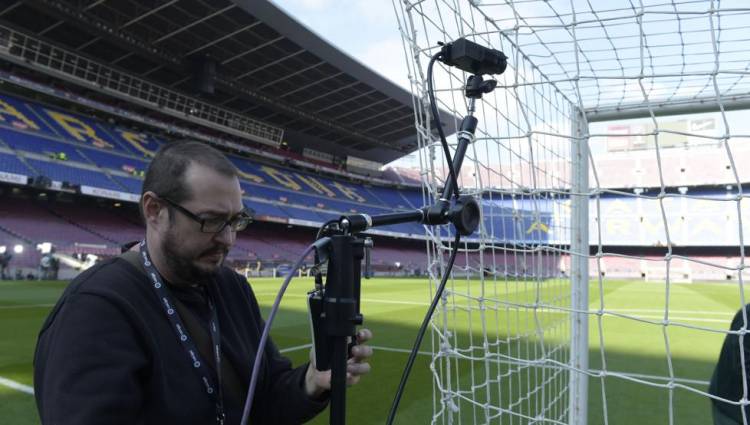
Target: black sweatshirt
[(107, 354), (726, 381)]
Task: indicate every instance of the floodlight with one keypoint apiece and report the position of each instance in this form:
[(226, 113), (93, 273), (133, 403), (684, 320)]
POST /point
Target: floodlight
[(18, 249)]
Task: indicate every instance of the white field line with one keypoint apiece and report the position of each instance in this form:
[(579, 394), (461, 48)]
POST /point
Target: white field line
[(295, 348), (610, 372), (370, 300), (656, 310), (728, 315), (16, 386), (8, 307), (29, 390), (374, 347)]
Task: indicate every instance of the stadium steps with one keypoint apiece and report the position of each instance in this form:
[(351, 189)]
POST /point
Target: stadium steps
[(375, 195), (89, 161), (86, 157), (17, 235), (26, 163), (126, 218), (102, 170), (80, 226), (408, 202)]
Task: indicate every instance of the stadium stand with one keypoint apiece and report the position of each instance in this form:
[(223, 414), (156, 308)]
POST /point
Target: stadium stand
[(93, 136), (32, 222), (10, 163)]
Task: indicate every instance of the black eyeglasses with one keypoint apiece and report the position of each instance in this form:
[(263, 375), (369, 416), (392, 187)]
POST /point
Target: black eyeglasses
[(236, 223)]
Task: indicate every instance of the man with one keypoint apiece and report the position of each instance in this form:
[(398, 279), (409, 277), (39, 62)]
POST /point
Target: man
[(44, 266), (139, 339), (727, 380), (5, 258)]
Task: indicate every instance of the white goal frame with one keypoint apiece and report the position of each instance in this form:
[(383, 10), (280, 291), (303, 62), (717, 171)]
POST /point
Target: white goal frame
[(422, 23)]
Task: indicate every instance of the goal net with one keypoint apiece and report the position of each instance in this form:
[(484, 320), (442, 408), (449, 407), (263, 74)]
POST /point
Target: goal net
[(609, 163)]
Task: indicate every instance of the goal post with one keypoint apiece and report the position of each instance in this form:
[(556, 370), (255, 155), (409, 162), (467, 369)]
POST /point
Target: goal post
[(579, 253)]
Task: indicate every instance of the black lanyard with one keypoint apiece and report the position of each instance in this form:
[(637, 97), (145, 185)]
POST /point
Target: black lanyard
[(215, 392)]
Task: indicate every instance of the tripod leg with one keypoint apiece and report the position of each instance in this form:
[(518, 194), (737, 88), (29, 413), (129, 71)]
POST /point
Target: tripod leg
[(338, 380)]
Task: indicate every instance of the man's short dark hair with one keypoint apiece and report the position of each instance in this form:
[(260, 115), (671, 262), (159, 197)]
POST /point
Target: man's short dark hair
[(165, 175)]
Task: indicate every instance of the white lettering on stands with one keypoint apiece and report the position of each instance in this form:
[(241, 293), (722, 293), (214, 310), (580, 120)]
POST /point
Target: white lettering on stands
[(111, 194), (13, 178)]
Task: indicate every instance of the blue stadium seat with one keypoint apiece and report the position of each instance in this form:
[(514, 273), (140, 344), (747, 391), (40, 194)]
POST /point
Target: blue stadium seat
[(114, 161), (259, 191), (131, 184), (413, 197), (327, 215), (59, 172), (304, 214), (390, 197), (11, 164), (126, 156), (262, 208), (26, 142), (149, 143), (101, 130)]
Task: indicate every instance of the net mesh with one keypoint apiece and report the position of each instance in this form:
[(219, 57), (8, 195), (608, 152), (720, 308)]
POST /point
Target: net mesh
[(665, 200)]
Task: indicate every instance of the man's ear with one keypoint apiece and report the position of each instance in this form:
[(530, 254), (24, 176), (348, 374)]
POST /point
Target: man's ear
[(153, 209)]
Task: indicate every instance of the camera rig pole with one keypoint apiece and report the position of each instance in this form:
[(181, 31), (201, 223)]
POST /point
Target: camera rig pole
[(334, 308)]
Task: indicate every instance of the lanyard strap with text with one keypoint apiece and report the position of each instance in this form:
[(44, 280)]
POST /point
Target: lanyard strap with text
[(215, 392)]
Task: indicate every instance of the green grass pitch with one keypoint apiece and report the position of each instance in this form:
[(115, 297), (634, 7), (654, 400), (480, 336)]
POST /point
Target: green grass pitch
[(394, 308)]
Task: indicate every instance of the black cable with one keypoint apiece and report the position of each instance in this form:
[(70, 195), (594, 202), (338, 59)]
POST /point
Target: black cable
[(422, 331), (436, 116), (448, 269), (322, 228)]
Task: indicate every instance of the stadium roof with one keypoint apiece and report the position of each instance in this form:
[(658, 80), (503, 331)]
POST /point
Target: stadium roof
[(268, 66)]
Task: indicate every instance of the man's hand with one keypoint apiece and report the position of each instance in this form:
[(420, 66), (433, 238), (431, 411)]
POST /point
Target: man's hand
[(317, 382)]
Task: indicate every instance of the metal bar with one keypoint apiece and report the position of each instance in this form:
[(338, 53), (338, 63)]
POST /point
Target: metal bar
[(284, 77), (400, 129), (256, 48), (88, 43), (11, 7), (123, 57), (579, 289), (269, 64), (326, 93), (354, 111), (390, 121), (222, 38), (192, 24), (94, 4), (231, 98), (690, 106), (369, 117), (147, 14), (51, 27), (180, 81), (152, 70), (300, 88)]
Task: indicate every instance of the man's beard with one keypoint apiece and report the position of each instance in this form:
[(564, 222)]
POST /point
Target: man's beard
[(184, 267)]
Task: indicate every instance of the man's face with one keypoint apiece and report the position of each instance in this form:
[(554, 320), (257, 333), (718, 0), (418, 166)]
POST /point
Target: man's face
[(191, 254)]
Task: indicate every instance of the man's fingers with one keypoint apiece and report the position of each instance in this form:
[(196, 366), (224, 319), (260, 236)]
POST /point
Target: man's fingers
[(360, 352), (351, 379), (364, 335), (357, 369)]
